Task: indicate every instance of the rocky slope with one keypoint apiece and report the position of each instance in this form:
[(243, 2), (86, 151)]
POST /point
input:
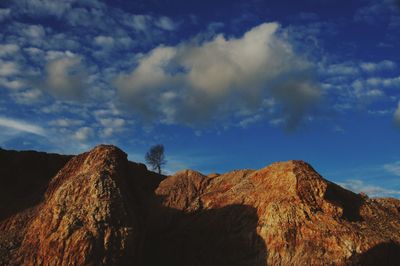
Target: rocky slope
[(101, 209)]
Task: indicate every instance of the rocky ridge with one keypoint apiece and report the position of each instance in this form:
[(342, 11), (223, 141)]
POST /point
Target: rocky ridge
[(101, 209)]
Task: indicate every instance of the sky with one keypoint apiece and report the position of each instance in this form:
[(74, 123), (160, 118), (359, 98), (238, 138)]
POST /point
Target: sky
[(223, 85)]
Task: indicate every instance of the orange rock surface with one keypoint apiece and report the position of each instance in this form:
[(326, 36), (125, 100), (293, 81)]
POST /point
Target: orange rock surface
[(101, 209)]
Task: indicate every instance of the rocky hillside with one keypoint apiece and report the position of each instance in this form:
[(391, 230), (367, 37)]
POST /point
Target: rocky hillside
[(24, 176), (101, 209)]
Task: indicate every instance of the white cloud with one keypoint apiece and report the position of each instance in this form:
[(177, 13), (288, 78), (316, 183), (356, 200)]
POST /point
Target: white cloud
[(381, 112), (358, 186), (21, 126), (40, 8), (109, 110), (34, 31), (65, 78), (370, 94), (104, 41), (137, 22), (8, 49), (53, 55), (277, 121), (112, 125), (380, 66), (31, 35), (65, 122), (27, 97), (60, 108), (166, 23), (8, 68), (11, 84), (397, 115), (83, 134), (125, 41), (342, 69), (393, 168), (195, 82), (33, 51), (4, 13), (250, 120), (357, 83), (387, 82), (112, 122), (376, 11), (365, 91), (370, 89)]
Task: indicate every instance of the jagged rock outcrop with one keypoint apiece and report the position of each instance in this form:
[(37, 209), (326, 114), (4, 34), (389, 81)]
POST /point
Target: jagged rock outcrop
[(101, 209), (88, 215), (302, 218)]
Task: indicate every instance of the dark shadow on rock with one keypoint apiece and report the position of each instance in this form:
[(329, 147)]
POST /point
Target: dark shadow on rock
[(224, 236), (24, 177), (349, 201), (384, 254)]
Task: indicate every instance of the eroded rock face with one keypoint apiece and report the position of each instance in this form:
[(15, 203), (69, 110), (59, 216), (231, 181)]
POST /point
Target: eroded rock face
[(24, 176), (101, 209), (87, 216), (301, 218)]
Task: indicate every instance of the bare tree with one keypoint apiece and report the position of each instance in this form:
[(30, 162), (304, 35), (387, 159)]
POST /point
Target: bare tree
[(155, 157)]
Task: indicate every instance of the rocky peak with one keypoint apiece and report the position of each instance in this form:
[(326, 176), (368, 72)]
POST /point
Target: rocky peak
[(303, 184), (87, 216), (302, 218), (192, 182)]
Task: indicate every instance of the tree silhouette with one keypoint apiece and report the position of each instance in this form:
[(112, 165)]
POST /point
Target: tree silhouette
[(155, 157)]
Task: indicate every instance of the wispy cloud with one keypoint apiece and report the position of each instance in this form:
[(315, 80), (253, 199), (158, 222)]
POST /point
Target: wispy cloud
[(166, 23), (358, 186), (375, 12), (65, 122), (4, 13), (8, 68), (12, 84), (342, 69), (42, 8), (22, 126), (380, 66), (27, 97), (83, 134), (104, 41), (8, 49), (393, 168)]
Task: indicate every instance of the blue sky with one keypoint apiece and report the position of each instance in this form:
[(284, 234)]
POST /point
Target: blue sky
[(222, 84)]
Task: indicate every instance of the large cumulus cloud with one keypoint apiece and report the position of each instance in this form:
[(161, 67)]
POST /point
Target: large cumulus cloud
[(196, 82)]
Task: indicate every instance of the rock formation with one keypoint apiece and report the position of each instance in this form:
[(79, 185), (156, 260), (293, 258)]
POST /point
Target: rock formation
[(24, 177), (101, 209)]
